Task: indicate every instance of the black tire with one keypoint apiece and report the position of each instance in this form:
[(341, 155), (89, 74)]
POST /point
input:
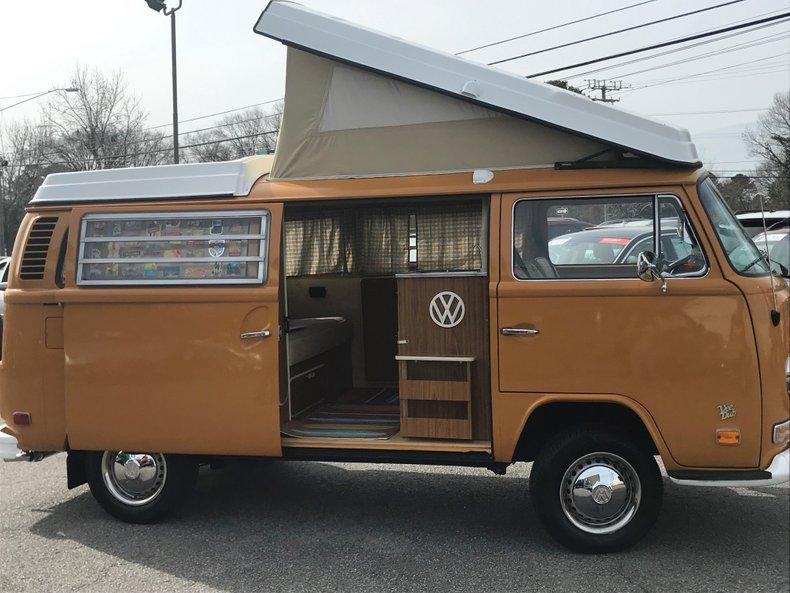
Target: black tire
[(559, 512), (167, 497)]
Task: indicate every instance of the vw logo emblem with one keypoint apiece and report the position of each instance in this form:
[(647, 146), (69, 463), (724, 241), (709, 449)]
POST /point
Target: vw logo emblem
[(447, 309)]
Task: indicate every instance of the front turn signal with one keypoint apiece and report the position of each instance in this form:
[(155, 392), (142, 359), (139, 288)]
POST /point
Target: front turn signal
[(728, 436)]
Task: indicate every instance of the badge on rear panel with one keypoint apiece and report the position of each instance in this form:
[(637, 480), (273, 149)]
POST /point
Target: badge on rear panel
[(447, 309), (726, 411)]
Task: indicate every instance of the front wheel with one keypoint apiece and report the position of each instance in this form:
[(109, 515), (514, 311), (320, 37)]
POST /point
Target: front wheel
[(139, 487), (596, 491)]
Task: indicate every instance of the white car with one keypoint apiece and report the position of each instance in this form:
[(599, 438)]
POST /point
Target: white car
[(753, 221), (777, 242)]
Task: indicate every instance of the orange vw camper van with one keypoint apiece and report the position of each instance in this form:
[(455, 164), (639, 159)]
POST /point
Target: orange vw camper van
[(442, 264)]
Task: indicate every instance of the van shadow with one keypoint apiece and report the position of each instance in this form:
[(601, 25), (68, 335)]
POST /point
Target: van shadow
[(316, 526)]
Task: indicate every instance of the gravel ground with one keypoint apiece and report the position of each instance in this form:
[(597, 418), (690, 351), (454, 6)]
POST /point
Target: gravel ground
[(295, 526)]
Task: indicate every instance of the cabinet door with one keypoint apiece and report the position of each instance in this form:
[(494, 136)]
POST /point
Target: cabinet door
[(180, 355)]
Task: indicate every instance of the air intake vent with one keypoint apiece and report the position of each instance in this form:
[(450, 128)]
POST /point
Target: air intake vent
[(35, 257)]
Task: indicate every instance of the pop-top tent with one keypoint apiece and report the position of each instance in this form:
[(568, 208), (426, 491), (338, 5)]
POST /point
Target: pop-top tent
[(359, 103)]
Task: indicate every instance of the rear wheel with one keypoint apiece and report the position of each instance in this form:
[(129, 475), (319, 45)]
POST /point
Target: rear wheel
[(140, 487), (595, 490)]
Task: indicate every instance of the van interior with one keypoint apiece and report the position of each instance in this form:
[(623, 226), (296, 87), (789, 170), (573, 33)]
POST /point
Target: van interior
[(380, 353)]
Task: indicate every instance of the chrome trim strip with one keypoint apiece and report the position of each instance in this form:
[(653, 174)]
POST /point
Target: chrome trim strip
[(436, 358), (167, 260), (235, 213), (223, 237)]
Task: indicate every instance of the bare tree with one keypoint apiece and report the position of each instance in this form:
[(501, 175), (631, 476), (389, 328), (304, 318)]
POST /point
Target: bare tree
[(769, 140), (22, 173), (242, 134), (101, 126)]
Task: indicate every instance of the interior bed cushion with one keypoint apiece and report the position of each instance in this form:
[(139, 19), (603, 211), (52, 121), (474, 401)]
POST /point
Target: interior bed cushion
[(312, 336)]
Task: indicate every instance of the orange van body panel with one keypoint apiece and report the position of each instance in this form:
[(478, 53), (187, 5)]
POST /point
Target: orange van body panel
[(58, 385)]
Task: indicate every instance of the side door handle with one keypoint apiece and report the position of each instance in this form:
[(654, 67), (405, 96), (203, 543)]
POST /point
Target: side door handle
[(264, 333), (519, 331)]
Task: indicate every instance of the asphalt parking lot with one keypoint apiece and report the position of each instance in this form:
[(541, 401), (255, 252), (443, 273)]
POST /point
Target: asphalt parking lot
[(350, 527)]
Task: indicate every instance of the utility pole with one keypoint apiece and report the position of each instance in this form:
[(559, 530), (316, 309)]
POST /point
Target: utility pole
[(604, 86)]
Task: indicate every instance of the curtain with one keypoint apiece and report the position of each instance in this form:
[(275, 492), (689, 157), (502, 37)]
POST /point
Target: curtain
[(375, 240)]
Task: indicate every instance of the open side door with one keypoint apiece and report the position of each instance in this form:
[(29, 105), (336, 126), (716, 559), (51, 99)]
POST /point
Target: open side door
[(182, 366)]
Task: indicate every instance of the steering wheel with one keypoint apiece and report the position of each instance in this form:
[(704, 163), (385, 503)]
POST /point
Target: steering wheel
[(670, 268)]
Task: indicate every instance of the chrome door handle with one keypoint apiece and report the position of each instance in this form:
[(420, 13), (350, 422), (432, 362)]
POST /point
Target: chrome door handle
[(519, 331), (264, 333)]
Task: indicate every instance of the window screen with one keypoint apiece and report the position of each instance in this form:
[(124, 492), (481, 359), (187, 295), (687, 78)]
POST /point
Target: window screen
[(173, 248)]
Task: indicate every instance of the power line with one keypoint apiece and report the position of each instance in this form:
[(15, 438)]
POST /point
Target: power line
[(602, 35), (561, 25), (180, 134), (707, 112), (783, 15), (739, 46), (708, 78), (714, 70), (184, 121), (158, 150), (691, 46)]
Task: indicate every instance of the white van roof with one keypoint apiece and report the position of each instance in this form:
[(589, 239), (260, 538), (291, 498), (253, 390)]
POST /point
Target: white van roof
[(194, 180), (339, 40), (773, 214)]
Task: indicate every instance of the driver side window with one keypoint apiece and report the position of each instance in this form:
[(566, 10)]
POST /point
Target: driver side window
[(602, 237)]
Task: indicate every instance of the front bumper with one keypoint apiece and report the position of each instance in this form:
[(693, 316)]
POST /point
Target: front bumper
[(779, 472)]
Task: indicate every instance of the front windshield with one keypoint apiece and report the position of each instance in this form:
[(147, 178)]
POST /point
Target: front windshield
[(741, 251)]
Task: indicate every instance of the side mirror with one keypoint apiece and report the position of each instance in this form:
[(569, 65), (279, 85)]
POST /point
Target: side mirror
[(647, 266), (648, 269)]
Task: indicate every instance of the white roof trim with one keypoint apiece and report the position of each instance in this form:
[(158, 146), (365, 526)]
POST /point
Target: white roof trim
[(198, 180), (313, 31)]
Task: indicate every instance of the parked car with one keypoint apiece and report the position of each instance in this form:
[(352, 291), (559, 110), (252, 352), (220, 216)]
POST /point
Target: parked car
[(562, 226), (753, 221), (620, 245), (778, 241)]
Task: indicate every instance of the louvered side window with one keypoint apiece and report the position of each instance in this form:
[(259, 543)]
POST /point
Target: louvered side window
[(34, 259)]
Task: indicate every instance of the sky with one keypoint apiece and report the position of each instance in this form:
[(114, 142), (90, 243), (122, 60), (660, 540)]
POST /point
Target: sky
[(223, 65)]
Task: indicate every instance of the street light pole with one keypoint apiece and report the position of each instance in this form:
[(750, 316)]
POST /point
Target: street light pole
[(175, 81), (161, 6), (70, 89)]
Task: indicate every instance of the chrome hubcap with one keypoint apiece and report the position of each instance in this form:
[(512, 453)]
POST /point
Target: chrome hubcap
[(134, 478), (600, 493)]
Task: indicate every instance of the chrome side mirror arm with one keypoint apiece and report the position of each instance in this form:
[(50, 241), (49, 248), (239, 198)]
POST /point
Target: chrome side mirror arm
[(648, 268)]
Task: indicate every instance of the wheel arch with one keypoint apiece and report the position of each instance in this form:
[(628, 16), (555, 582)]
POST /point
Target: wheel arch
[(553, 414)]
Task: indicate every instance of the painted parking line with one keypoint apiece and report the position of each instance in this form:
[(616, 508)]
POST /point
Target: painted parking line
[(750, 492)]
